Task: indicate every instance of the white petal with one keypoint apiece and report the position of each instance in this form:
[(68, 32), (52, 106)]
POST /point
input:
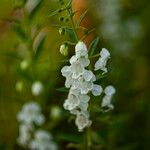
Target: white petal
[(101, 64), (106, 104), (81, 49), (68, 81), (88, 75), (82, 122), (97, 90), (110, 90), (73, 59), (72, 102), (105, 53), (85, 86), (66, 71), (77, 70), (84, 98), (84, 61)]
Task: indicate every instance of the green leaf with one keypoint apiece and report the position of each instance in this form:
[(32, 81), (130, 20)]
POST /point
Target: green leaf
[(63, 89), (93, 46), (70, 34), (35, 8), (81, 18), (70, 137), (38, 44), (20, 31), (9, 54), (100, 76)]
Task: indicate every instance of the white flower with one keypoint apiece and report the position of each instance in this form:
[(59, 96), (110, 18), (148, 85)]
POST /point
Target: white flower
[(88, 75), (42, 141), (81, 50), (24, 134), (82, 121), (37, 88), (97, 90), (110, 90), (85, 86), (106, 104), (77, 70), (31, 113), (102, 61), (73, 100)]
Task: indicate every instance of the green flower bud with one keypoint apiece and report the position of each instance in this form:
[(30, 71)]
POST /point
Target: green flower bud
[(55, 112), (61, 31), (64, 49), (19, 86), (24, 64)]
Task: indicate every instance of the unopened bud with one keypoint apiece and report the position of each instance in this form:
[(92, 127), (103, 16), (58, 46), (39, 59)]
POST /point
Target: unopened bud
[(19, 86), (55, 112), (61, 31), (37, 88), (64, 49), (24, 64)]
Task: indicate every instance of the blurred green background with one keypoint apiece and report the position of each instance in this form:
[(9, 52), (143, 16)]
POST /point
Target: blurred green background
[(130, 73)]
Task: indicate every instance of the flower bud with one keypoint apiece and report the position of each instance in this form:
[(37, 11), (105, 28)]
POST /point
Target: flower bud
[(24, 64), (37, 88), (64, 49), (19, 86), (61, 31), (55, 112)]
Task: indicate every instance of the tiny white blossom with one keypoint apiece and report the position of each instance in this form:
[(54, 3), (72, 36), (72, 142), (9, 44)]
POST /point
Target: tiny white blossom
[(37, 88), (81, 50), (106, 104), (82, 121), (110, 90), (42, 141), (88, 75), (97, 90), (24, 134), (102, 61), (31, 113), (73, 100)]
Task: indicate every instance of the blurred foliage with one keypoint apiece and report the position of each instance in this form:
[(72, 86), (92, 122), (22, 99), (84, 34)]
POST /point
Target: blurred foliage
[(35, 35)]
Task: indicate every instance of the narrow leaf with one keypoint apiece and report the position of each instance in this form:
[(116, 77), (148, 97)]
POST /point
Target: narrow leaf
[(38, 43), (93, 46), (63, 89), (81, 18)]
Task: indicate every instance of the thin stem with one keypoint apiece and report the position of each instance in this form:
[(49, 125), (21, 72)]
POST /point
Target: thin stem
[(72, 22), (96, 55), (88, 141)]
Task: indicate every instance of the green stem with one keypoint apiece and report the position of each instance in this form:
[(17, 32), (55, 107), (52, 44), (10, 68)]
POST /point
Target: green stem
[(89, 143), (72, 22)]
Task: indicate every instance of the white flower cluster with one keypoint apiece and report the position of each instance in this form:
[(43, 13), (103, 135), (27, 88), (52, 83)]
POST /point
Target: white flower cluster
[(31, 114), (28, 117), (80, 80), (42, 141)]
